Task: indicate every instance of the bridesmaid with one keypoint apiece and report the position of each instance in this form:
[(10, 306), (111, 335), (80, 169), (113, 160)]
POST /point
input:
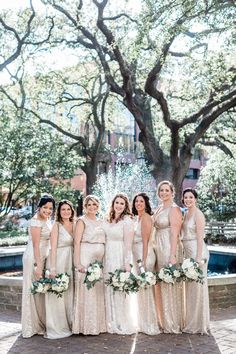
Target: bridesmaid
[(59, 309), (167, 222), (143, 249), (37, 250), (89, 306), (119, 230), (196, 294)]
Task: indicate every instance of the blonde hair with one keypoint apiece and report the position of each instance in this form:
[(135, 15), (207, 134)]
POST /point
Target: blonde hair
[(170, 184), (92, 198)]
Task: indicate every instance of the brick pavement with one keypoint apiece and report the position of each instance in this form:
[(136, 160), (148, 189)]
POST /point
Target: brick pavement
[(221, 340)]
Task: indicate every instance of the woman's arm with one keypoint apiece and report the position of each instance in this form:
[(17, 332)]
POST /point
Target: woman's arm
[(146, 229), (35, 232), (79, 230), (53, 251), (200, 230), (128, 242), (175, 226)]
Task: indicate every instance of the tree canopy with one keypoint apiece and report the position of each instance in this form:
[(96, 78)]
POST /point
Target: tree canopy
[(171, 64)]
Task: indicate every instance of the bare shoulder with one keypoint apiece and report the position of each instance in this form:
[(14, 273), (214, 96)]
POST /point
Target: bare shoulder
[(147, 218), (175, 209), (199, 215)]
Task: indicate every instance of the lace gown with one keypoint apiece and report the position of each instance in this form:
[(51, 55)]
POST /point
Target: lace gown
[(33, 306), (120, 309), (171, 295), (59, 309), (147, 316), (89, 305), (196, 294)]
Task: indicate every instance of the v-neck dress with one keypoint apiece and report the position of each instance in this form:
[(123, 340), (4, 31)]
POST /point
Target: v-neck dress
[(59, 310)]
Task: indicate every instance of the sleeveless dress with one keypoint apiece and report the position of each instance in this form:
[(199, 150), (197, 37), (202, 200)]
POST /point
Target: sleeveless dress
[(171, 294), (147, 316), (89, 305), (33, 306), (196, 294), (119, 311), (59, 309)]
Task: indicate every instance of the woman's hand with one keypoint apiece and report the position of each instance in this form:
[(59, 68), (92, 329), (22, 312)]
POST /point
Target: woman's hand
[(127, 268), (80, 268), (38, 272), (52, 273), (172, 260)]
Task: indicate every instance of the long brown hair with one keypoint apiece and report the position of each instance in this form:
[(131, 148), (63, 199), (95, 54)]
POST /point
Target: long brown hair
[(58, 213), (126, 211)]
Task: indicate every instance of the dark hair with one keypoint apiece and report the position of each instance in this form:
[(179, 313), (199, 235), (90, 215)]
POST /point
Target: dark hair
[(126, 210), (148, 208), (58, 212), (191, 190), (46, 198)]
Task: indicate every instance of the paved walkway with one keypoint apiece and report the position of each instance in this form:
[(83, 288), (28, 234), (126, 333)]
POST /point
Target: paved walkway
[(221, 340)]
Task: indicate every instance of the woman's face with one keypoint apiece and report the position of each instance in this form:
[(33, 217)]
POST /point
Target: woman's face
[(119, 205), (140, 204), (65, 212), (189, 200), (92, 207), (46, 210), (165, 193)]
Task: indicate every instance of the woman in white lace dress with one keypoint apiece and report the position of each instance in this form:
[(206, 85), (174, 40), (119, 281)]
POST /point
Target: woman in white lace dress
[(89, 305), (59, 310), (197, 316), (119, 230), (143, 250), (36, 253)]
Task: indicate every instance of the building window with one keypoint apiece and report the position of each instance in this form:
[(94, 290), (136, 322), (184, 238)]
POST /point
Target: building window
[(192, 173), (126, 141)]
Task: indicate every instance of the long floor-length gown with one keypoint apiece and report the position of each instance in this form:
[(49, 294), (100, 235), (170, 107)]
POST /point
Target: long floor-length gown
[(33, 306), (120, 311), (147, 316), (59, 310), (89, 305), (196, 294), (171, 294)]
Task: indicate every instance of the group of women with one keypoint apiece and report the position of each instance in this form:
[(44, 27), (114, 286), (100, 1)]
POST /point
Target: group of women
[(118, 240)]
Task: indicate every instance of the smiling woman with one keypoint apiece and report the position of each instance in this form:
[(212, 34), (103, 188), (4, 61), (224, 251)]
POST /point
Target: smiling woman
[(34, 258)]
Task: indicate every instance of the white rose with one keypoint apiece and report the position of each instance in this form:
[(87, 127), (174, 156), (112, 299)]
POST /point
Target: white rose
[(40, 288), (91, 277), (176, 273), (124, 276), (168, 278), (97, 273), (192, 274), (161, 273), (187, 263), (90, 269)]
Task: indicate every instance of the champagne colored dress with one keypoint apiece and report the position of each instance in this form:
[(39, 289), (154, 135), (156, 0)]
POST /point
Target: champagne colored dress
[(33, 306), (89, 305), (59, 310), (120, 307), (196, 294), (171, 294), (147, 316)]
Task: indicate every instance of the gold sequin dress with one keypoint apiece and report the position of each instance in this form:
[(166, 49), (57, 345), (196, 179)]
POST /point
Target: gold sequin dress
[(89, 305), (196, 294), (147, 316), (171, 294), (59, 310), (33, 306)]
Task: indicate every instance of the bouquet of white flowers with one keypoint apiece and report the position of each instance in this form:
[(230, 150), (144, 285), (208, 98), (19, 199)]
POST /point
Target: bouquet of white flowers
[(59, 284), (121, 280), (146, 279), (93, 274), (40, 286), (191, 271), (170, 274)]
